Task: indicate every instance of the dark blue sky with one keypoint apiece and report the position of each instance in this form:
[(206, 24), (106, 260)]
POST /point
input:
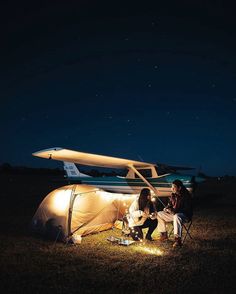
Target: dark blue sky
[(155, 83)]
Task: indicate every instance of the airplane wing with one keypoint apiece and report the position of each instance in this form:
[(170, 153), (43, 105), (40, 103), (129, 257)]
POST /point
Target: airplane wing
[(166, 168), (89, 159)]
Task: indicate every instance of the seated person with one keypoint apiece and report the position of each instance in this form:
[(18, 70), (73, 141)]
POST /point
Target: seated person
[(141, 215), (178, 210)]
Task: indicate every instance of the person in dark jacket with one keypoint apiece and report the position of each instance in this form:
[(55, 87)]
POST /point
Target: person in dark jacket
[(178, 211)]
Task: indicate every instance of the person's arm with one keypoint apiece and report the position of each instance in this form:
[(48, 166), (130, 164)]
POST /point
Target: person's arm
[(170, 201), (135, 212), (169, 206)]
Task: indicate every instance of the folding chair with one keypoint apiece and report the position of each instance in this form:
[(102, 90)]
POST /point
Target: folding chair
[(185, 227)]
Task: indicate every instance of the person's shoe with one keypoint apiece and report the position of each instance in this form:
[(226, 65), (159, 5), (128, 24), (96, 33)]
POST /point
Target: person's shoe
[(163, 237), (149, 238), (178, 242)]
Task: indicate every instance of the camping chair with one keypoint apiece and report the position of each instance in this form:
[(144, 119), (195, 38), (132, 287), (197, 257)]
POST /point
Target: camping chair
[(185, 227)]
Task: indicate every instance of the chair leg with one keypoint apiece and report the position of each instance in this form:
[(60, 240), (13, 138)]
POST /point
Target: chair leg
[(187, 228)]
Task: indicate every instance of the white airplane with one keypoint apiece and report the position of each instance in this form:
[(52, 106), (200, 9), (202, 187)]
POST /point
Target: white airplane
[(140, 174)]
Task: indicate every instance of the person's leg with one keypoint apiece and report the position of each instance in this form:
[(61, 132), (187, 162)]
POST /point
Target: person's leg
[(136, 233), (151, 224), (163, 218), (179, 218)]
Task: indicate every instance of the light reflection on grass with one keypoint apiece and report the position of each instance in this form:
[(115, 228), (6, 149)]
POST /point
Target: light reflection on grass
[(144, 248), (149, 250)]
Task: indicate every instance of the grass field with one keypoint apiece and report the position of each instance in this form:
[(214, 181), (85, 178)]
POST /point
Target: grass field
[(31, 265)]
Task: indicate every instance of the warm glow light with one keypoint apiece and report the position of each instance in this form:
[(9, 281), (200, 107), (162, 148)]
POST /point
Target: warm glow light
[(61, 201), (116, 196), (107, 196), (153, 251)]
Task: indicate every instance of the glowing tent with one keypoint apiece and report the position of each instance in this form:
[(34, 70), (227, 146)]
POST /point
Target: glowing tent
[(78, 210)]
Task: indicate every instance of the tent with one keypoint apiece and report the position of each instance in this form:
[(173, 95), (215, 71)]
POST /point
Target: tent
[(78, 210)]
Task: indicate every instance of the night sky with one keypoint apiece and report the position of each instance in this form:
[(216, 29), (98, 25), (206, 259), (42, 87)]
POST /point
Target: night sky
[(151, 82)]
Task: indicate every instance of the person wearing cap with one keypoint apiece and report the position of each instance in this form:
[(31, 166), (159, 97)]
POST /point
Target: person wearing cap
[(178, 211), (141, 215)]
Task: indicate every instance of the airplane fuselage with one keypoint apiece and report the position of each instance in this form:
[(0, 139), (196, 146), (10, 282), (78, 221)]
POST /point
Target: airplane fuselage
[(126, 185)]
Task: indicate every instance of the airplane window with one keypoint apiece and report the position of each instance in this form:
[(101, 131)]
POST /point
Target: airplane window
[(147, 173)]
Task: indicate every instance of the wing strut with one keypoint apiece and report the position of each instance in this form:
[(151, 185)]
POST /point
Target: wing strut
[(147, 182)]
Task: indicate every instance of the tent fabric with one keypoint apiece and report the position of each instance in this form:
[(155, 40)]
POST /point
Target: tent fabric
[(78, 209)]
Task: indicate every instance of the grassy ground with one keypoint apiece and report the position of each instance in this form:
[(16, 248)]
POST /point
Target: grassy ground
[(31, 265)]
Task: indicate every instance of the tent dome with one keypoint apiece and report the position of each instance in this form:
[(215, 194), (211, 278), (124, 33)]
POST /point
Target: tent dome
[(78, 209)]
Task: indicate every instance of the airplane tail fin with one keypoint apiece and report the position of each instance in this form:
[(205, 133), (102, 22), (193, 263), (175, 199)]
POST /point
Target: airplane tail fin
[(72, 171)]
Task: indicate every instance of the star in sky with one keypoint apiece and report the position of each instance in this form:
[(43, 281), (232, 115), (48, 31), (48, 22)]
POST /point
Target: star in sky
[(88, 80)]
